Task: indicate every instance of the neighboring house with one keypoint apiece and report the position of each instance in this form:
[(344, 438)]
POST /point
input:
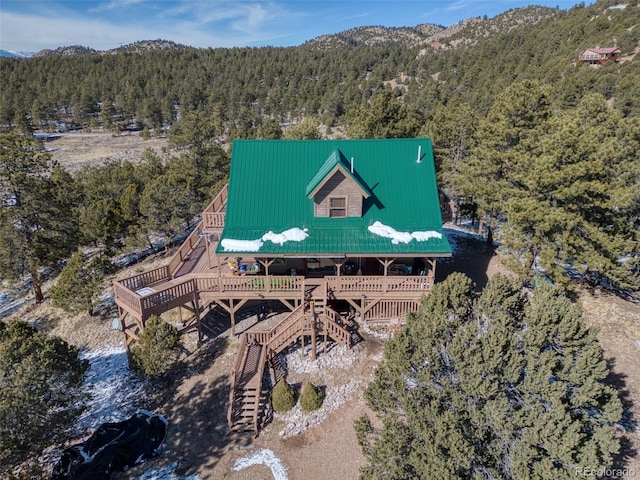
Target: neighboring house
[(336, 231), (598, 56)]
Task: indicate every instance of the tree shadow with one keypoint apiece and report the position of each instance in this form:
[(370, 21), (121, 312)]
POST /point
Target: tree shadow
[(628, 424), (215, 323), (194, 399), (471, 256)]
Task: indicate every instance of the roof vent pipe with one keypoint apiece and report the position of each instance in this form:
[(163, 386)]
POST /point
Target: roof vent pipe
[(419, 153), (352, 165)]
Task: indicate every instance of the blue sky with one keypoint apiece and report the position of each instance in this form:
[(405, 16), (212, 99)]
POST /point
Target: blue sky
[(32, 25)]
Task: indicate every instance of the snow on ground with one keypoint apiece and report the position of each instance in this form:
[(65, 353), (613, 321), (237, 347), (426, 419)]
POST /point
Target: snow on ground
[(337, 357), (166, 473), (12, 300), (263, 457), (298, 421), (116, 392)]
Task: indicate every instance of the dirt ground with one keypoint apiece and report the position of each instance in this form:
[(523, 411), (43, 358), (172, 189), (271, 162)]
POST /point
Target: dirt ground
[(76, 150), (195, 402)]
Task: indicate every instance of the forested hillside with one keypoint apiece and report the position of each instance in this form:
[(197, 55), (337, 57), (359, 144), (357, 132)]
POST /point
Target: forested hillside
[(493, 93), (241, 85)]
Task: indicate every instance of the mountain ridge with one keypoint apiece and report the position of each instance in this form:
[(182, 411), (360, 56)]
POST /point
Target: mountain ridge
[(464, 33)]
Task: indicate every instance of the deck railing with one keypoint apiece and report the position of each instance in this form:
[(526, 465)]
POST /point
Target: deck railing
[(284, 328), (168, 295), (281, 338), (388, 310), (126, 298), (185, 248), (335, 327), (144, 279), (213, 220), (235, 375), (213, 216), (258, 394), (250, 283), (378, 284)]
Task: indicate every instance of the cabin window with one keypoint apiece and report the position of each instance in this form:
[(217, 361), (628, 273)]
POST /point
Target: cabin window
[(337, 207)]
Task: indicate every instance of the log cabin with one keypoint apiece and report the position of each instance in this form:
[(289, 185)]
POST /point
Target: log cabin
[(339, 232)]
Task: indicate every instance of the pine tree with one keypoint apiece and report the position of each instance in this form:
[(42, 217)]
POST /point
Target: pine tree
[(385, 116), (306, 129), (495, 386), (38, 221), (40, 389), (77, 285)]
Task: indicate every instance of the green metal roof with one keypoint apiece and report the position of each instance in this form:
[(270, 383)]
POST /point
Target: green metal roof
[(270, 180)]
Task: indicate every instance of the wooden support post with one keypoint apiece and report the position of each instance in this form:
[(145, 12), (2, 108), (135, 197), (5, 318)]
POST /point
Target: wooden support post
[(232, 313), (313, 331), (180, 315), (196, 309), (122, 315), (206, 247), (326, 333)]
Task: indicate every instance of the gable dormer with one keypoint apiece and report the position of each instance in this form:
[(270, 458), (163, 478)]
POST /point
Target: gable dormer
[(336, 190)]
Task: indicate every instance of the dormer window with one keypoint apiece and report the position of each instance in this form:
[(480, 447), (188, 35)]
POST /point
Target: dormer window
[(336, 189), (337, 207)]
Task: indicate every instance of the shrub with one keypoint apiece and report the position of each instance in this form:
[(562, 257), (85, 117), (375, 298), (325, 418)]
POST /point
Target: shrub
[(283, 396), (159, 346), (311, 397)]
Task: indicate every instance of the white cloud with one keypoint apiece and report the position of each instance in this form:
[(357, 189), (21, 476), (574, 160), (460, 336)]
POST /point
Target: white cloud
[(36, 32), (113, 23), (116, 4)]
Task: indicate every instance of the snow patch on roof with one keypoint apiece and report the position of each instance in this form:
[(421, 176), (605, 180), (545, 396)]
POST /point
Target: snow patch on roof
[(233, 245), (396, 237), (263, 457), (292, 235)]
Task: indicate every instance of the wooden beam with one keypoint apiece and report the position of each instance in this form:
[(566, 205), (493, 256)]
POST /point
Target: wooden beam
[(287, 304), (357, 307)]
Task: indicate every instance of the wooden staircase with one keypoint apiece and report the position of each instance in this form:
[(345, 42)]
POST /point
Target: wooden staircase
[(246, 394), (313, 317)]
